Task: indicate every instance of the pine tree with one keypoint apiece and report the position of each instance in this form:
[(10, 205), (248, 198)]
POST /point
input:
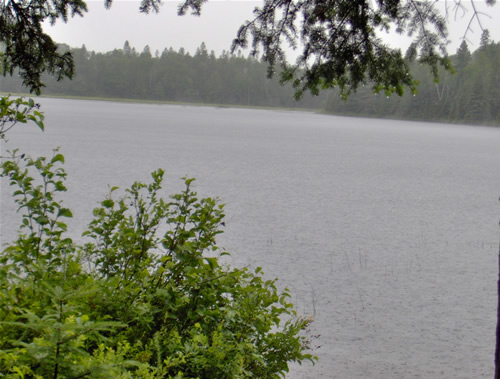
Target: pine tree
[(485, 38), (127, 50), (463, 56)]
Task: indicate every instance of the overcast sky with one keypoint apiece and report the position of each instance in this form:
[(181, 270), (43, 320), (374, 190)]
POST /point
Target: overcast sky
[(104, 30)]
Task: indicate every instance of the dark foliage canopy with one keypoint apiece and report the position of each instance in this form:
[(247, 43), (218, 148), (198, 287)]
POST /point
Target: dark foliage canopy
[(24, 44), (339, 40), (340, 43)]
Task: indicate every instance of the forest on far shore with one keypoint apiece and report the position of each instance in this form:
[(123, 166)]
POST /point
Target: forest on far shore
[(469, 95)]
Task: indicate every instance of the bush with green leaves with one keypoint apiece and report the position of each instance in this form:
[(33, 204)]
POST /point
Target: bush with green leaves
[(18, 110), (144, 295)]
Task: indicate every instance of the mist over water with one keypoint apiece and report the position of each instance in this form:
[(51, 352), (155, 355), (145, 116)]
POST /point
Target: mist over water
[(386, 232)]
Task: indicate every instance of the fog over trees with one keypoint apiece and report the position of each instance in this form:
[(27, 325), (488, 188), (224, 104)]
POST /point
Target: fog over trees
[(172, 76), (467, 95)]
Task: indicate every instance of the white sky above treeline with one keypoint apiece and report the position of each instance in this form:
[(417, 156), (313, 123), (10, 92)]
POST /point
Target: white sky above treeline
[(103, 30)]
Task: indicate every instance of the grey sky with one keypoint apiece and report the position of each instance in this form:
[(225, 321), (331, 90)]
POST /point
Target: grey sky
[(105, 30)]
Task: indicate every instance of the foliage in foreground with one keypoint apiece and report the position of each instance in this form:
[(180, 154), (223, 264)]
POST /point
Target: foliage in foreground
[(144, 296)]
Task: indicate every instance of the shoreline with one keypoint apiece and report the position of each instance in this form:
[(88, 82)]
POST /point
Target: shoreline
[(240, 106)]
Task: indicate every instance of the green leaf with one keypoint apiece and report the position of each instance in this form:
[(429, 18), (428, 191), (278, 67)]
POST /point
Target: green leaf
[(108, 203), (42, 220), (57, 158), (64, 212), (212, 262)]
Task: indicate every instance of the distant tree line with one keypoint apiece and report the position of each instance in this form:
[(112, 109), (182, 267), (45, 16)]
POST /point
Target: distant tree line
[(470, 95), (171, 76)]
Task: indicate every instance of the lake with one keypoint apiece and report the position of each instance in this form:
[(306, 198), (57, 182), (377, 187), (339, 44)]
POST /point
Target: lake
[(385, 232)]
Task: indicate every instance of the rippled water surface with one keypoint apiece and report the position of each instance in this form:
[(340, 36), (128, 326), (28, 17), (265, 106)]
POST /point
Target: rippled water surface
[(386, 232)]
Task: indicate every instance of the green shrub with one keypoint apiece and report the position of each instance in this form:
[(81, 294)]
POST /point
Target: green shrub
[(144, 295)]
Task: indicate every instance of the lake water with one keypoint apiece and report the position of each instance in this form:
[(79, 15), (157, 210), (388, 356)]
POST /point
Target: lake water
[(386, 232)]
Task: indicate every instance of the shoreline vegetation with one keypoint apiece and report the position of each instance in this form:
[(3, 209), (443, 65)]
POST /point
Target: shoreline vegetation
[(470, 96), (236, 106), (160, 102)]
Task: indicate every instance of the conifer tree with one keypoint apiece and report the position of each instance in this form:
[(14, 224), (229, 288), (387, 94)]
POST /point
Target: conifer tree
[(485, 38), (463, 56)]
